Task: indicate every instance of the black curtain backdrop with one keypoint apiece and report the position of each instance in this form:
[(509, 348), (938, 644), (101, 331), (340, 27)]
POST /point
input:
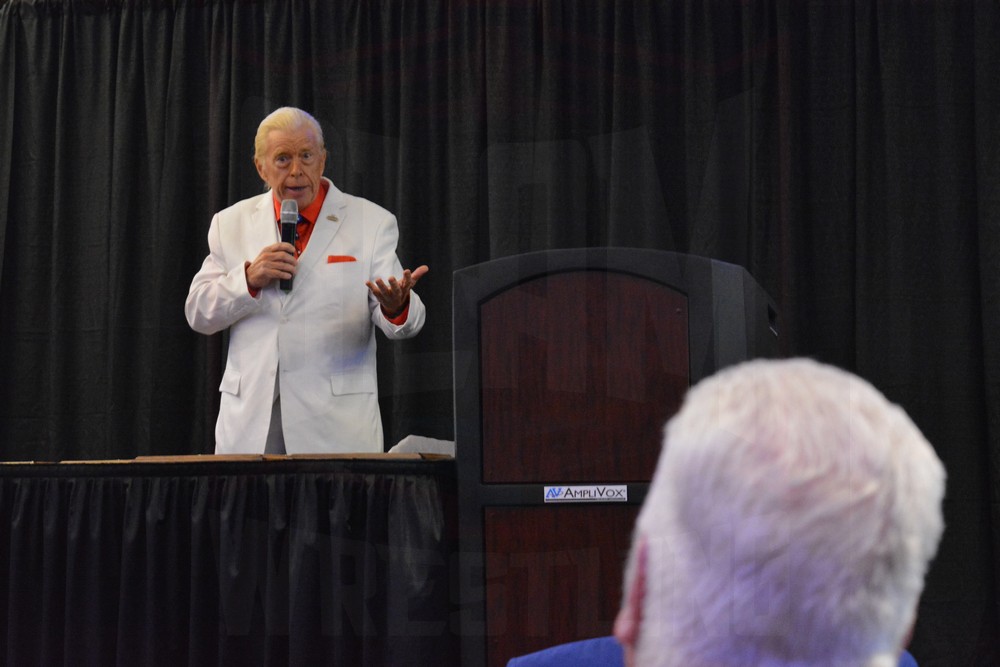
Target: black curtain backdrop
[(847, 154)]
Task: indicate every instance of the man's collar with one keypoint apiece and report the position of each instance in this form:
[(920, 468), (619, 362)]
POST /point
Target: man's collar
[(310, 212)]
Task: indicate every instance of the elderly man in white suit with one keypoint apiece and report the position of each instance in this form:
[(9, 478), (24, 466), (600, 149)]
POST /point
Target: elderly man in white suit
[(300, 375)]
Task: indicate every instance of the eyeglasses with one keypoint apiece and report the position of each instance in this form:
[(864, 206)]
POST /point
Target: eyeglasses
[(284, 160)]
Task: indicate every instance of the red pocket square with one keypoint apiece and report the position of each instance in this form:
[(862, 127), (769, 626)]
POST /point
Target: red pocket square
[(331, 259)]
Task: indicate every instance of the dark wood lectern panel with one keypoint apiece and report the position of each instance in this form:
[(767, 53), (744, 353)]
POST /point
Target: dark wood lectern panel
[(580, 370), (553, 574), (568, 363)]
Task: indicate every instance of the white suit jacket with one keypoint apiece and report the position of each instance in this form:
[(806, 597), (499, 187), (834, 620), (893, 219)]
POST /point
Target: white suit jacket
[(318, 340)]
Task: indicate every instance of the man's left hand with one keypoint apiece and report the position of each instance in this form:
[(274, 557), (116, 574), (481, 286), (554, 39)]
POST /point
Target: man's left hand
[(394, 295)]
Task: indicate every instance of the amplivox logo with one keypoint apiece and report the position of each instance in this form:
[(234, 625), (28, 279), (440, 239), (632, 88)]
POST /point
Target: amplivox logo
[(587, 494)]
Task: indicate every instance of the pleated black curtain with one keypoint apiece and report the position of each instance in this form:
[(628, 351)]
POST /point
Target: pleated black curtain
[(847, 154), (229, 564)]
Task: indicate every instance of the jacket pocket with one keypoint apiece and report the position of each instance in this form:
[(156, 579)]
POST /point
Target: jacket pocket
[(230, 382), (348, 383)]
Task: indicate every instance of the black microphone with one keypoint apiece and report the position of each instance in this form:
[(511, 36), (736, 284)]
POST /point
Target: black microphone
[(289, 218)]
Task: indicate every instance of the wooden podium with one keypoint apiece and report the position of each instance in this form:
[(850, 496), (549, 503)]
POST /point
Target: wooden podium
[(567, 365)]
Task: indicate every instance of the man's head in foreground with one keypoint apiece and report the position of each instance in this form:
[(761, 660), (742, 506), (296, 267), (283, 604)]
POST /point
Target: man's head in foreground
[(791, 520)]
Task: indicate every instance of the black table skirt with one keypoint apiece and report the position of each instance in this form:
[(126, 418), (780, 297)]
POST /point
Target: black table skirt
[(214, 562)]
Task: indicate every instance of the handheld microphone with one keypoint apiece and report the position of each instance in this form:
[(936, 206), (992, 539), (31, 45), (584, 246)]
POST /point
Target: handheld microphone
[(289, 218)]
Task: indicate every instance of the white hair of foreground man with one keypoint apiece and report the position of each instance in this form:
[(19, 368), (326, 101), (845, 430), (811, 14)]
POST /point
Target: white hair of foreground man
[(791, 520)]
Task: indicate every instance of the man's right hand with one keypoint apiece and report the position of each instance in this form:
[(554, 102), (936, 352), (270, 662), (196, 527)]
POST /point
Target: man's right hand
[(275, 262)]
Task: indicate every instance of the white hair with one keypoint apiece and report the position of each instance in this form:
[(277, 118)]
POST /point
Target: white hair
[(790, 521), (285, 118)]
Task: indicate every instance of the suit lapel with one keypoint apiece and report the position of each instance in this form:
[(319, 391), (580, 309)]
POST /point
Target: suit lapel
[(265, 228), (328, 223)]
